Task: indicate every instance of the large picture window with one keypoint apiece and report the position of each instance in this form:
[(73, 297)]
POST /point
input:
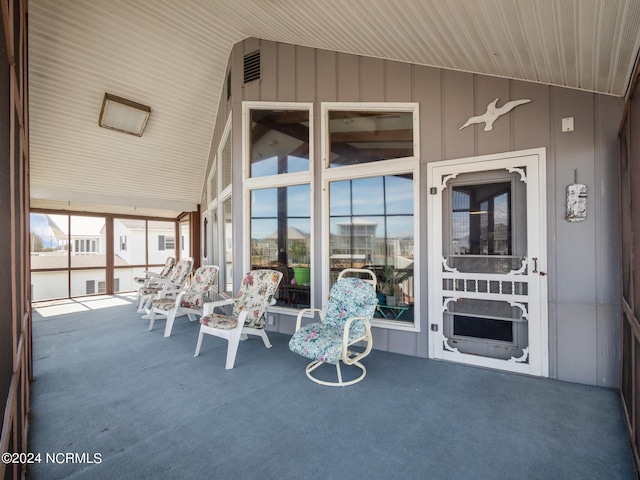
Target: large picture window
[(371, 225), (370, 219), (279, 198), (281, 239)]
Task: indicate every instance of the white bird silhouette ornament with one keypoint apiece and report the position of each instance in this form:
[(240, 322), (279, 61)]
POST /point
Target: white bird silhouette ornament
[(492, 113)]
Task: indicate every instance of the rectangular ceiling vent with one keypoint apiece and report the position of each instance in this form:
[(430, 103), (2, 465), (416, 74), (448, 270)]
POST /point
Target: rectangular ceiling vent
[(252, 67)]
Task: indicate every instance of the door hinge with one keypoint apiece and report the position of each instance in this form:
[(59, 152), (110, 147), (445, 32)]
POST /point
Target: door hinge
[(433, 190)]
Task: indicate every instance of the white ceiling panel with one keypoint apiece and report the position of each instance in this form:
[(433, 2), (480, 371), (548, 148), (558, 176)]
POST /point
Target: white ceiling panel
[(172, 56)]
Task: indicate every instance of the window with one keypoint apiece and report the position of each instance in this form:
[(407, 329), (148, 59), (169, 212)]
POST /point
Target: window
[(166, 242), (371, 225), (185, 238), (278, 182), (371, 211), (226, 160), (69, 252), (281, 238), (212, 191), (218, 235), (279, 142), (227, 235), (364, 136), (481, 219)]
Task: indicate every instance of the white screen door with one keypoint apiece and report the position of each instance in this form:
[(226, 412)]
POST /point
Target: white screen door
[(487, 261)]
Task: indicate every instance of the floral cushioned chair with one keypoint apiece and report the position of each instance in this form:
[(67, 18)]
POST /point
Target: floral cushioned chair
[(174, 281), (248, 316), (352, 303), (173, 303), (150, 279), (149, 276)]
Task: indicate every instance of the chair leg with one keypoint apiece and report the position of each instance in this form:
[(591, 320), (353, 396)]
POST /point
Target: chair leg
[(265, 339), (140, 303), (232, 350), (145, 302), (199, 344), (152, 319), (171, 316)]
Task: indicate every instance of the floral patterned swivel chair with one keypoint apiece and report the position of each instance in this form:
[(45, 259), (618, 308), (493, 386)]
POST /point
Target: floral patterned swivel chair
[(249, 313), (190, 301), (347, 321)]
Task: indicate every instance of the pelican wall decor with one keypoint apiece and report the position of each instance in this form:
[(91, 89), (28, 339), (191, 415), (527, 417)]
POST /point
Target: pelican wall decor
[(492, 113)]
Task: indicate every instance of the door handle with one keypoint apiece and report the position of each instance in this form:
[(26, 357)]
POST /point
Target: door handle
[(535, 267)]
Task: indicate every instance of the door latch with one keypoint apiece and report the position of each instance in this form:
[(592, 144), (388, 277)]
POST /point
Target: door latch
[(535, 267)]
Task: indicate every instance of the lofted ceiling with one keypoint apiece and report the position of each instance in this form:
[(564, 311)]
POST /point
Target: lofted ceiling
[(173, 55)]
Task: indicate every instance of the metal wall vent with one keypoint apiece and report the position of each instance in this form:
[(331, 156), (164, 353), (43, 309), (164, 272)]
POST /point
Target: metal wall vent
[(252, 67)]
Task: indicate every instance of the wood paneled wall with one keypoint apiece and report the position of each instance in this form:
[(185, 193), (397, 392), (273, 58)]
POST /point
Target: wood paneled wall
[(584, 292), (15, 315)]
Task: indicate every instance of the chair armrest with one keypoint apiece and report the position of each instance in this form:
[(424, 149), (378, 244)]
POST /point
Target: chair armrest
[(302, 312), (345, 340), (162, 282), (170, 291), (209, 307)]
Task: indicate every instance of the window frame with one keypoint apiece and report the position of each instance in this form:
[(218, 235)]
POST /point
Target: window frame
[(215, 247), (276, 181), (395, 166), (211, 195)]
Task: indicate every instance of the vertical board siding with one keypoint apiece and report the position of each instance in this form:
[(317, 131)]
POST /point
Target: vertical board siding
[(583, 279), (608, 332), (348, 69), (458, 104), (487, 89), (607, 205), (575, 242), (286, 73), (531, 121), (629, 164), (427, 91), (305, 80), (15, 315), (576, 330), (268, 82), (398, 86), (371, 79)]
